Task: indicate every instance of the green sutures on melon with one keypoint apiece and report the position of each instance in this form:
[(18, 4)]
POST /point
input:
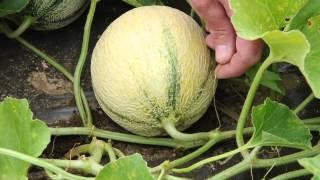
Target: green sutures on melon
[(152, 72), (48, 14)]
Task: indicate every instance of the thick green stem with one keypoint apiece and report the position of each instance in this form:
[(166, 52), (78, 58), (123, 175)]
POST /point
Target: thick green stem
[(189, 157), (41, 163), (77, 74), (194, 154), (77, 151), (69, 164), (93, 167), (292, 175), (304, 103), (85, 165), (45, 57), (110, 151), (248, 103), (124, 137), (310, 121), (313, 127), (28, 21), (232, 171), (210, 160), (162, 173), (236, 169), (139, 139), (118, 152), (215, 138), (168, 125), (262, 163), (96, 150)]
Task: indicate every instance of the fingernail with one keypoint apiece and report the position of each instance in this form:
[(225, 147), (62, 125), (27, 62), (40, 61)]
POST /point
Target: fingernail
[(223, 54)]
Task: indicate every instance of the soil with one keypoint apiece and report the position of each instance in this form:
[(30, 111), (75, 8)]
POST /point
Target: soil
[(24, 75)]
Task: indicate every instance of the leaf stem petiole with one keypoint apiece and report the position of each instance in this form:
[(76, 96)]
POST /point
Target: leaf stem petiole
[(42, 163), (86, 118), (292, 175), (28, 21), (212, 159), (304, 103), (248, 103)]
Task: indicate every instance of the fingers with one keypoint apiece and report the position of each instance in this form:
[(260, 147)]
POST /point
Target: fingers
[(233, 55), (226, 6), (248, 53), (222, 35)]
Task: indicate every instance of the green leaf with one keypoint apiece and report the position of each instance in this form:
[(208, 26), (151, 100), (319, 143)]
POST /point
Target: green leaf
[(310, 67), (253, 18), (293, 47), (11, 6), (131, 167), (138, 3), (21, 133), (269, 79), (276, 125), (312, 165), (311, 9)]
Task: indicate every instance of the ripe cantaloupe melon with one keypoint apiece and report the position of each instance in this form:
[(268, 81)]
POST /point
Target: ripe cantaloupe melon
[(152, 65)]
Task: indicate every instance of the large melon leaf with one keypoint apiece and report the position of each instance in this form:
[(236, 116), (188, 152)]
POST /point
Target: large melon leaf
[(276, 125), (20, 132), (254, 19)]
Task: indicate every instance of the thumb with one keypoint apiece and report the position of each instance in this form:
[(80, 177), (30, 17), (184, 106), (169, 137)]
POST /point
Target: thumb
[(221, 33)]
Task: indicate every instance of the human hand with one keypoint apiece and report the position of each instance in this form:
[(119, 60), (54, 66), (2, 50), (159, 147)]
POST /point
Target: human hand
[(234, 55)]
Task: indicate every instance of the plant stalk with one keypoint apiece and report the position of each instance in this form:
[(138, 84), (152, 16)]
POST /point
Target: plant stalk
[(86, 165), (28, 21), (304, 103), (311, 121), (194, 154), (292, 175), (248, 103), (96, 150), (41, 163), (210, 160), (118, 153), (168, 125), (189, 157), (124, 137), (87, 120), (263, 163), (240, 167), (111, 153), (139, 139)]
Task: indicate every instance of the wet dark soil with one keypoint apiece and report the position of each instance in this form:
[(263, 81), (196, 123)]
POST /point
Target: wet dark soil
[(24, 75)]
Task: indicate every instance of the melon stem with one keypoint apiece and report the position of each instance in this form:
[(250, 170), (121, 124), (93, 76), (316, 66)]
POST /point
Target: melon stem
[(87, 120), (27, 22), (169, 126)]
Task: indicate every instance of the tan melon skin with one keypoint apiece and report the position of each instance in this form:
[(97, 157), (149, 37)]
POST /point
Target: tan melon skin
[(133, 70)]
